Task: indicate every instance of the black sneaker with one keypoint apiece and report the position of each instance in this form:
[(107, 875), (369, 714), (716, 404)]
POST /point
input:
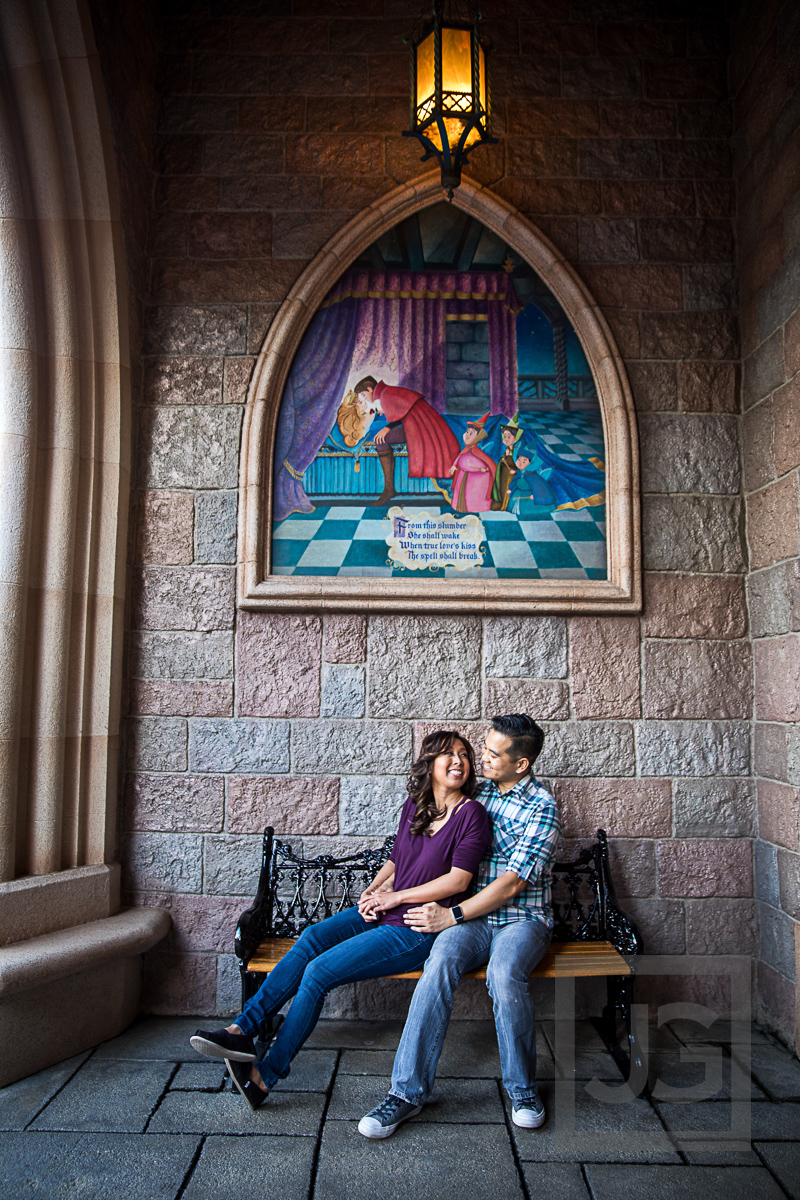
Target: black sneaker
[(528, 1114), (383, 1120), (218, 1043), (240, 1074)]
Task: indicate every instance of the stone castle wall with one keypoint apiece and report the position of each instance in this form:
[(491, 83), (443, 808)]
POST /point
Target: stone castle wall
[(767, 141), (614, 140)]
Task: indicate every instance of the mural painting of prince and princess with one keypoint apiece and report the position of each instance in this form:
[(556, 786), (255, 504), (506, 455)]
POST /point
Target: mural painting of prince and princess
[(479, 483), (373, 417)]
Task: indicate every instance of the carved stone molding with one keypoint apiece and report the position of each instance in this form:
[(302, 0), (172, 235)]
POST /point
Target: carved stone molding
[(258, 589)]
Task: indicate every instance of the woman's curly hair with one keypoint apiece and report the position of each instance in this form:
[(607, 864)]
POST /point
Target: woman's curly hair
[(420, 781)]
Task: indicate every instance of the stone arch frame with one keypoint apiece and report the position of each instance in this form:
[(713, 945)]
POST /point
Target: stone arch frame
[(257, 589)]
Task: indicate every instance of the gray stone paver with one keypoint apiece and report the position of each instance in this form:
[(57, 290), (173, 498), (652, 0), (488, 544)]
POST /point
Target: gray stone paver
[(599, 1132), (367, 1062), (356, 1035), (228, 1112), (20, 1102), (776, 1071), (311, 1071), (555, 1181), (205, 1076), (71, 1130), (424, 1164), (724, 1145), (278, 1168), (681, 1183), (708, 1081), (155, 1037), (109, 1097), (93, 1166), (784, 1159)]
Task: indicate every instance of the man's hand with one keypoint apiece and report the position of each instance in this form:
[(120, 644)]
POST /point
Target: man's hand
[(380, 436), (429, 918)]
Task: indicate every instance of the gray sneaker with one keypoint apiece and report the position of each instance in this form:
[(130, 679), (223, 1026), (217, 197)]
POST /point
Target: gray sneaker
[(383, 1120), (528, 1114)]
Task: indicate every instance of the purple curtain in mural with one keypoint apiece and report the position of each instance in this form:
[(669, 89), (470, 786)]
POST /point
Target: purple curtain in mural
[(313, 392), (401, 329)]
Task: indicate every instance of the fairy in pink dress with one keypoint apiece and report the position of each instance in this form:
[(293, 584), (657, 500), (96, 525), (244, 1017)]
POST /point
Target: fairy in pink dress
[(473, 472)]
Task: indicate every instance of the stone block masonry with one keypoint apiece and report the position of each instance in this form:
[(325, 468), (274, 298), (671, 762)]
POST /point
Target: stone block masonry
[(614, 141), (764, 85)]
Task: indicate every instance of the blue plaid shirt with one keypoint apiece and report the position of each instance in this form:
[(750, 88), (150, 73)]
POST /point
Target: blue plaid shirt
[(526, 827)]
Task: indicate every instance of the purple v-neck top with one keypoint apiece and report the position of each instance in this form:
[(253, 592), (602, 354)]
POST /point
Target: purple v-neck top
[(461, 842)]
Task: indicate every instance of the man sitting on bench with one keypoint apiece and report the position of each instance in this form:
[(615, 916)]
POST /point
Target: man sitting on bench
[(508, 922)]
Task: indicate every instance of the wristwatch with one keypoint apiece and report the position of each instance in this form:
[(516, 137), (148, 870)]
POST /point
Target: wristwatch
[(458, 915)]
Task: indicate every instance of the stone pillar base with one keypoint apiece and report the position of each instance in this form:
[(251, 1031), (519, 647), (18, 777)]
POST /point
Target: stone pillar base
[(66, 991), (46, 1024)]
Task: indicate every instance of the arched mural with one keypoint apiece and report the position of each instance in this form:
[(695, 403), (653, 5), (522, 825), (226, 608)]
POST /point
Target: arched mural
[(447, 424), (440, 416)]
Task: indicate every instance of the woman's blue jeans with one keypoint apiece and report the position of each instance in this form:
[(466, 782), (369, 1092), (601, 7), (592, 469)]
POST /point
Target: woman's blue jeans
[(325, 956)]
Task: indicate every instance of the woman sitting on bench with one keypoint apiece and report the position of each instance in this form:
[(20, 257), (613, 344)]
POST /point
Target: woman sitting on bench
[(442, 837)]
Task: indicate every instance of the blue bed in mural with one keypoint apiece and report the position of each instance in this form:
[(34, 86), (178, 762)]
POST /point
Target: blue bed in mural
[(569, 450)]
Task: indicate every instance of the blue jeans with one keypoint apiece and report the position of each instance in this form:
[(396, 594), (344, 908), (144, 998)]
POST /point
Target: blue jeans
[(326, 955), (512, 952)]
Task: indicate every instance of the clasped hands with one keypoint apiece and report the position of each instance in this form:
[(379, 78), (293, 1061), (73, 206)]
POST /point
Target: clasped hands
[(374, 901), (424, 918)]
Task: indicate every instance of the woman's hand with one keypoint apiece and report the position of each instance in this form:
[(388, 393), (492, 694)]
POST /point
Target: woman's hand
[(382, 902), (366, 906)]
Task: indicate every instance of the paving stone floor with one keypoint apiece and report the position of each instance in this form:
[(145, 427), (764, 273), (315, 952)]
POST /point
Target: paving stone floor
[(143, 1116)]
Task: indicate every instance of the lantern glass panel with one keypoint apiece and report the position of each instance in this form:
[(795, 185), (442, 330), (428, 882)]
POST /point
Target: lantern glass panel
[(425, 74), (457, 61), (482, 78), (454, 127)]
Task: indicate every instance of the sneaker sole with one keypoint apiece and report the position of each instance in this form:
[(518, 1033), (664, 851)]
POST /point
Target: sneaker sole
[(212, 1050), (536, 1123), (376, 1132)]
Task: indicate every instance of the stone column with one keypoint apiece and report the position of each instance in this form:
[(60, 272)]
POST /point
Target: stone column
[(66, 952), (65, 469)]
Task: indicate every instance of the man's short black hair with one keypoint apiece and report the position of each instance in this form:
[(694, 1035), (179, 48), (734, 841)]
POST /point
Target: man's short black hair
[(527, 738), (363, 384)]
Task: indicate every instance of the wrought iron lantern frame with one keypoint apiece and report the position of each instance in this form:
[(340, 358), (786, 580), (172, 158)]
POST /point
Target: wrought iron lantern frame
[(432, 114)]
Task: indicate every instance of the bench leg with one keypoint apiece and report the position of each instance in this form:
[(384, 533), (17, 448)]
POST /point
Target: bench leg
[(621, 1000)]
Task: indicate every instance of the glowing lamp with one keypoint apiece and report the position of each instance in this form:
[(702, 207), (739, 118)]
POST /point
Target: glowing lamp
[(450, 102)]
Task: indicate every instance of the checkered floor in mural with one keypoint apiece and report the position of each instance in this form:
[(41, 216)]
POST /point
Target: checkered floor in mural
[(350, 540)]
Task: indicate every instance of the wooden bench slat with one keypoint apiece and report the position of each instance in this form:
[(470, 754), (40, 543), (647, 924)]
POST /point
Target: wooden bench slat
[(575, 959)]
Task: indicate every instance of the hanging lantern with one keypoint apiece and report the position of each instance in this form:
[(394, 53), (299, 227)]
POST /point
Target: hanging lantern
[(450, 104)]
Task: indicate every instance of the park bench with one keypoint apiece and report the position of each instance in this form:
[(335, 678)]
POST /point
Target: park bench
[(591, 936)]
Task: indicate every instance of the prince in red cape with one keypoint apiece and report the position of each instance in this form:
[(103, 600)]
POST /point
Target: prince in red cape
[(432, 445)]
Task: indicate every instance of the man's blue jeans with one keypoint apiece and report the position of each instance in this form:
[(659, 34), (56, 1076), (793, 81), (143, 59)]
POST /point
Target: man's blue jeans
[(326, 955), (512, 952)]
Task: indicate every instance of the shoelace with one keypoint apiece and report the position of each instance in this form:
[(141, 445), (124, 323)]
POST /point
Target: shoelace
[(389, 1108)]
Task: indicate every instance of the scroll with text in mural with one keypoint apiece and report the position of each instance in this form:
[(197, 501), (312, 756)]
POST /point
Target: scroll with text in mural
[(440, 417)]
